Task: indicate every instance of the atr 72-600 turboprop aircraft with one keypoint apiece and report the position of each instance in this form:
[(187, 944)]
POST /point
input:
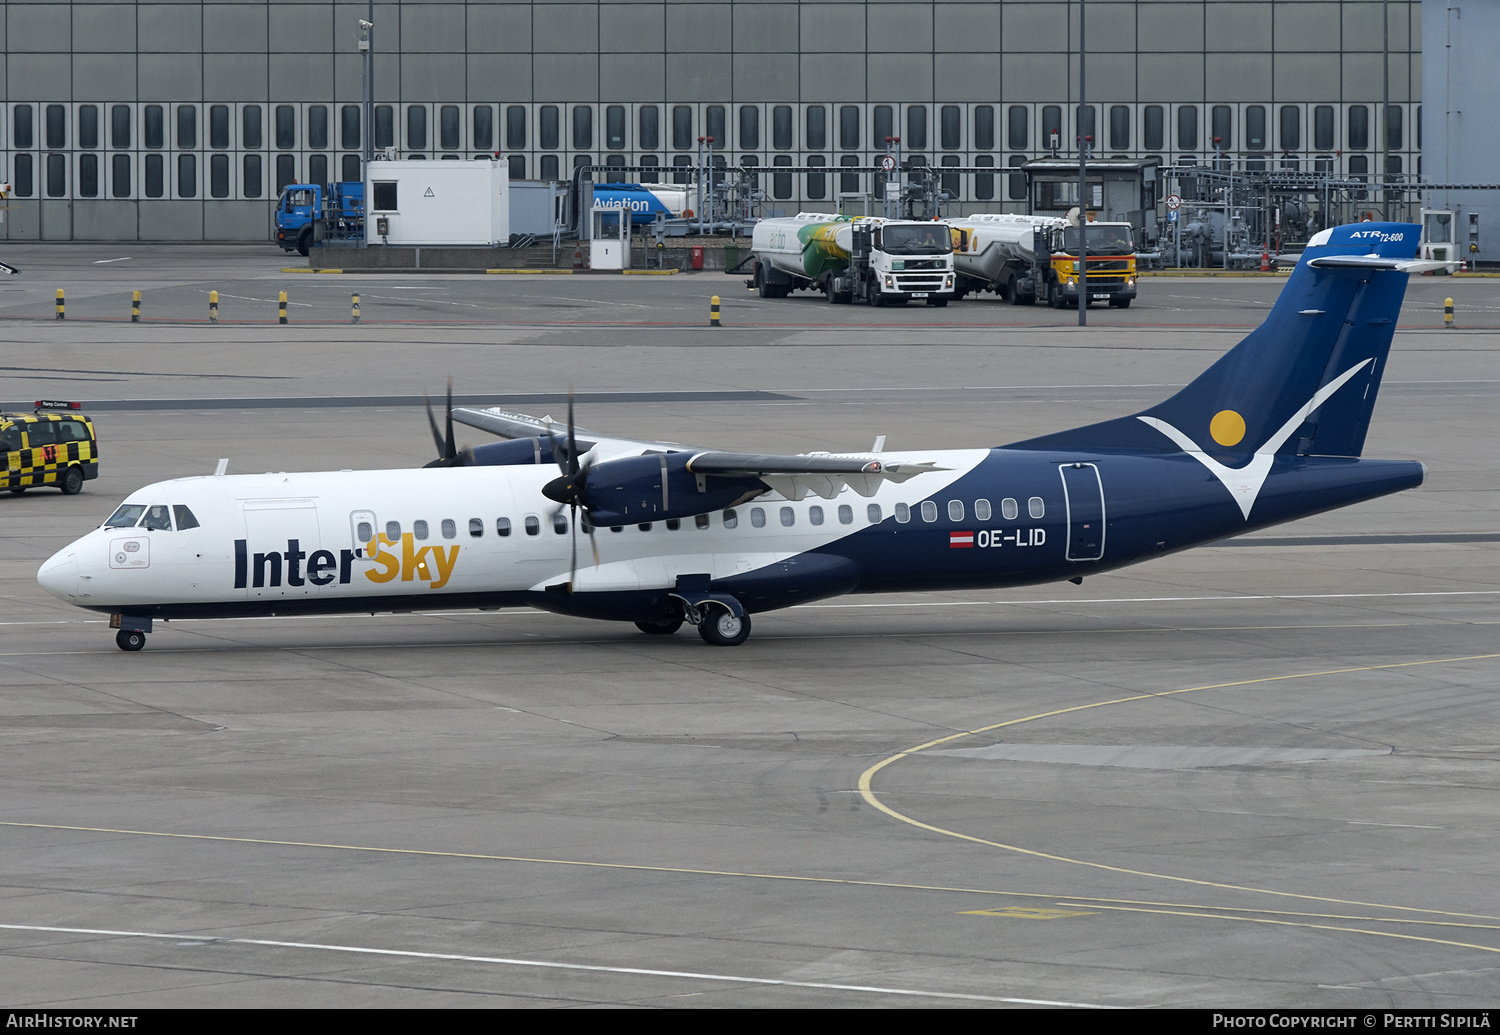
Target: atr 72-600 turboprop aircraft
[(1271, 432)]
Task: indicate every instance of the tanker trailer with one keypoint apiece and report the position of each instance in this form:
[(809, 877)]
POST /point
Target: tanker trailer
[(869, 259), (995, 252)]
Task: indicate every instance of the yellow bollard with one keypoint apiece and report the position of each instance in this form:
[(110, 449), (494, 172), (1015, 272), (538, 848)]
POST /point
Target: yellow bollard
[(281, 300), (213, 307), (354, 310), (135, 307), (1447, 313), (713, 312), (60, 314)]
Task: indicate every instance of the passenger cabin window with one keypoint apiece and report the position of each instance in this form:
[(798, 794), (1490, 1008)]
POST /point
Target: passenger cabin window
[(673, 524), (929, 511), (419, 529), (502, 527), (1035, 507), (476, 527), (903, 513), (450, 530), (955, 510), (788, 517), (184, 516), (560, 523), (815, 515), (393, 530), (981, 510), (533, 525), (731, 519), (1009, 510), (846, 514), (700, 520), (758, 517), (873, 513), (365, 531)]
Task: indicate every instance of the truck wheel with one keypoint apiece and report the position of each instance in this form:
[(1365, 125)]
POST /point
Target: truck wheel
[(304, 241), (72, 480), (830, 293), (1054, 296), (937, 301), (1120, 303)]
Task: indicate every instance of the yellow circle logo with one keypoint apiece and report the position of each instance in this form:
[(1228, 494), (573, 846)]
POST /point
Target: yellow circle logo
[(1227, 428)]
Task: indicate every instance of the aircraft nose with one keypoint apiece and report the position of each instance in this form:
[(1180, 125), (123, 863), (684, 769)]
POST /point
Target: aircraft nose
[(59, 576)]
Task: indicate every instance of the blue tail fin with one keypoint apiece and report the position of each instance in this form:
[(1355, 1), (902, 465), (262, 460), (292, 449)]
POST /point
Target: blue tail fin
[(1303, 382)]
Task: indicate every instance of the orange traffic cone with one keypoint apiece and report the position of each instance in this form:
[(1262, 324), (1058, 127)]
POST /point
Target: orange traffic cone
[(1265, 261)]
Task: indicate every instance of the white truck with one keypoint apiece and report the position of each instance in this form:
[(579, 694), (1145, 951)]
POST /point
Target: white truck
[(998, 254), (868, 259)]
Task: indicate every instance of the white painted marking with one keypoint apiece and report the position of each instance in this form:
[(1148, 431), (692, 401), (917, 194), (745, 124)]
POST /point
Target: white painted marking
[(101, 262), (1158, 600), (551, 965)]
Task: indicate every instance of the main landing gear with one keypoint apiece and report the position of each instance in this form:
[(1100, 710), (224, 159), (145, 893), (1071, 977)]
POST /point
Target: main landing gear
[(720, 619)]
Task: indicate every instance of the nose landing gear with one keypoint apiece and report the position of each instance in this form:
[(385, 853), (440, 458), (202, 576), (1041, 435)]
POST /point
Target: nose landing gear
[(132, 631)]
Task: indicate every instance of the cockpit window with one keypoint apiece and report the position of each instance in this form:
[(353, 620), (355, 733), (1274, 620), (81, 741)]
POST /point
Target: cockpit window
[(126, 516), (157, 518), (185, 518)]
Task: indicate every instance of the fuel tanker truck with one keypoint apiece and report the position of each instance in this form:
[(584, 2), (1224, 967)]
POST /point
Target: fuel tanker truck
[(1030, 258), (866, 258)]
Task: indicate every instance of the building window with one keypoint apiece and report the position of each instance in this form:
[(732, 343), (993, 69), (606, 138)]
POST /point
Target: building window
[(1086, 131), (155, 176), (614, 127), (350, 172), (1015, 188), (218, 126), (1052, 126), (1392, 126), (849, 127), (550, 123), (749, 127), (119, 176), (449, 129), (22, 130), (187, 176), (251, 137), (1291, 127), (416, 128), (349, 127), (1223, 127), (984, 127), (817, 183), (951, 124), (286, 171), (817, 127), (119, 126), (88, 176), (515, 127), (187, 127), (57, 176), (1187, 128), (385, 126), (57, 126), (885, 122), (88, 126), (218, 176), (781, 127), (1119, 127), (317, 126), (250, 176), (154, 132), (1323, 127), (286, 126), (1017, 131), (1359, 127), (984, 183), (648, 127), (317, 169), (682, 127), (1153, 127), (1255, 127), (916, 127)]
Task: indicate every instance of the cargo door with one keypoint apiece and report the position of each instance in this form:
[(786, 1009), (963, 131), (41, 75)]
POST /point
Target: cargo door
[(280, 535)]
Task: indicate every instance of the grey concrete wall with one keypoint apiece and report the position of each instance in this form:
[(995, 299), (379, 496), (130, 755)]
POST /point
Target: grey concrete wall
[(670, 53)]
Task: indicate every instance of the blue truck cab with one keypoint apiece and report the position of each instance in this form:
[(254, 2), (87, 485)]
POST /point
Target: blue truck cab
[(308, 214)]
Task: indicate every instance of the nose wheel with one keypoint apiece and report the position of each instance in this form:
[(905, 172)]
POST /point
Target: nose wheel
[(130, 639)]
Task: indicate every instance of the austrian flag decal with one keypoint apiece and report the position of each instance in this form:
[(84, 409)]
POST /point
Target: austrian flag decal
[(957, 540)]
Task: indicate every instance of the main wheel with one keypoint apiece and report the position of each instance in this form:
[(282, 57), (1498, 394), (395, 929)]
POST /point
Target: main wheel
[(72, 480), (722, 629), (663, 628), (130, 639)]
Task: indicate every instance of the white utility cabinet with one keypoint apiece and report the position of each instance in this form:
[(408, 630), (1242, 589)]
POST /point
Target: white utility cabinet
[(438, 203)]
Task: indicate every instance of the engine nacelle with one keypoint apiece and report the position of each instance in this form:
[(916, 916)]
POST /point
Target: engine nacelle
[(512, 453), (658, 486)]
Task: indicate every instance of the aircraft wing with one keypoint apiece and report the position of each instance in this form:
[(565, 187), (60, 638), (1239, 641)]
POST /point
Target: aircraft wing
[(505, 424)]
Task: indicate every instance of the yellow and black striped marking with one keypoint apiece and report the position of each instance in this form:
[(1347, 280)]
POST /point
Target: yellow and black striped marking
[(213, 307), (281, 301), (713, 312), (354, 309), (39, 450), (61, 309), (135, 307)]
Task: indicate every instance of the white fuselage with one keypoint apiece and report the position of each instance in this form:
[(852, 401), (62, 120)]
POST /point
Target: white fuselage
[(429, 536)]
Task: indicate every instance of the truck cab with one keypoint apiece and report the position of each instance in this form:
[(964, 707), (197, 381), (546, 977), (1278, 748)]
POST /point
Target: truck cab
[(307, 214), (1111, 265), (894, 262)]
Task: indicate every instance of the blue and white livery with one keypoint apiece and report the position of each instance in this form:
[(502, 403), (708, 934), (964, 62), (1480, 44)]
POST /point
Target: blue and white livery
[(660, 534)]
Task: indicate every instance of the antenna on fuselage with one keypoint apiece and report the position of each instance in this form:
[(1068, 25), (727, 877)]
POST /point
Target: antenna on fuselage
[(223, 466)]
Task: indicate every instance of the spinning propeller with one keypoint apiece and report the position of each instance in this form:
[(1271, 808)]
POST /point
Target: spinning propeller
[(448, 454), (571, 490)]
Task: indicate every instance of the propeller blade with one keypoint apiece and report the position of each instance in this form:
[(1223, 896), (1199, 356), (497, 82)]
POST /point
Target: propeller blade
[(572, 438), (437, 438), (451, 452)]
